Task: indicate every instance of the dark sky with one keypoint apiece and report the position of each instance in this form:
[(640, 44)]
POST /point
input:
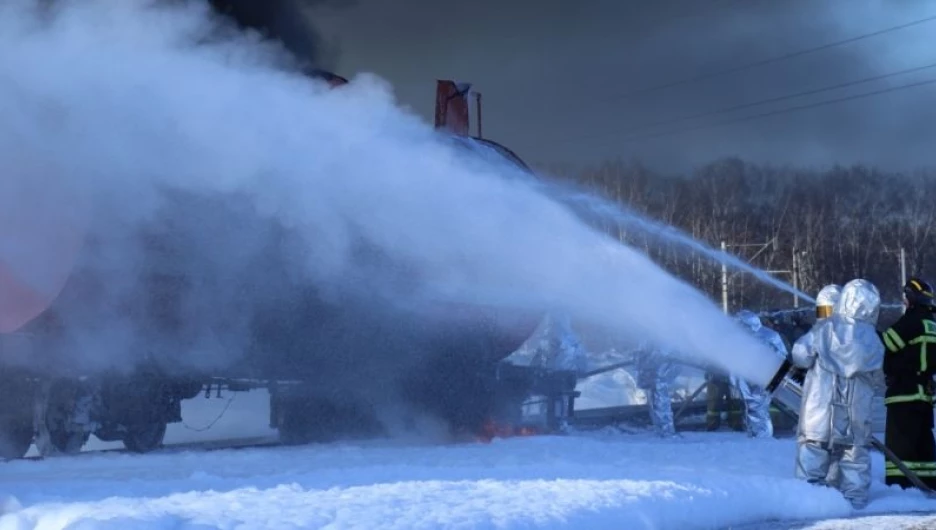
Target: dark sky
[(555, 74)]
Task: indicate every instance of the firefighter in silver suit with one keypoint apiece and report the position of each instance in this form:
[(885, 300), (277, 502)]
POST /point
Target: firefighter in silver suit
[(559, 348), (826, 299), (656, 374), (560, 355), (755, 397), (843, 356)]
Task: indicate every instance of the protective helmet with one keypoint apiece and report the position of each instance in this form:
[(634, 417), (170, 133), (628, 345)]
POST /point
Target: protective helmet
[(919, 292), (826, 300)]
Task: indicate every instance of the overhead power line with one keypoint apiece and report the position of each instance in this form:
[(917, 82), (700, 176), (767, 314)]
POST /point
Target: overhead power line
[(777, 99), (774, 59), (786, 110)]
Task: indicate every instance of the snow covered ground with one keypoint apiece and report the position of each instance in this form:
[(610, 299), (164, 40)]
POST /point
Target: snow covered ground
[(922, 521), (596, 480)]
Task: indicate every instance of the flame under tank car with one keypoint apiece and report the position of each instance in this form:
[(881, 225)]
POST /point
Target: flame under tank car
[(87, 357)]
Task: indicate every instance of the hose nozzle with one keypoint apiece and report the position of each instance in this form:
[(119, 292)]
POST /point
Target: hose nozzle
[(778, 377)]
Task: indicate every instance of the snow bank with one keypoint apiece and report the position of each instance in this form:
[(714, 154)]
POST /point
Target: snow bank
[(619, 387), (610, 389), (595, 481)]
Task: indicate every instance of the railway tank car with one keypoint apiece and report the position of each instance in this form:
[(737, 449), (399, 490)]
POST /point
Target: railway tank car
[(332, 359)]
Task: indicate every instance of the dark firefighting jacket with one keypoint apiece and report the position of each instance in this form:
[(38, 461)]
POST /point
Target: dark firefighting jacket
[(910, 361)]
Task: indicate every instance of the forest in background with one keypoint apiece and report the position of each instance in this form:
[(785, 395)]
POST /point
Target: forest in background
[(841, 223)]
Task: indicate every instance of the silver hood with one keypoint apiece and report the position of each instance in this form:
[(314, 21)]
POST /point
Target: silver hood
[(829, 295), (860, 300)]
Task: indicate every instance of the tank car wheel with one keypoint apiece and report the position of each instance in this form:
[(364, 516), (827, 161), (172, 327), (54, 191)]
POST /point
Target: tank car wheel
[(16, 417), (56, 430), (16, 435), (144, 438), (54, 439), (295, 428)]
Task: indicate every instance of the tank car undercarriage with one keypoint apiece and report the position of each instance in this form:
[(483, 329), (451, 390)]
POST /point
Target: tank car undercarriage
[(59, 415)]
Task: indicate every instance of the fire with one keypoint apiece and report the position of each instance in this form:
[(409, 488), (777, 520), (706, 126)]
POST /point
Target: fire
[(495, 429)]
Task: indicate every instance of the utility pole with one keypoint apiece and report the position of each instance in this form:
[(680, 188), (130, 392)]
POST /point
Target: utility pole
[(902, 262), (724, 281), (795, 273), (903, 268), (724, 268), (478, 107)]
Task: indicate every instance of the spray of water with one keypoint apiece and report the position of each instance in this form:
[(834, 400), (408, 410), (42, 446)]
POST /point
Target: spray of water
[(122, 100), (590, 205), (624, 217)]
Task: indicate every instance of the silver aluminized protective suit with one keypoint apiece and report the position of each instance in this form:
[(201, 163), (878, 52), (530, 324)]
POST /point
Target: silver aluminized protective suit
[(755, 397), (826, 299), (656, 374), (558, 347), (843, 356)]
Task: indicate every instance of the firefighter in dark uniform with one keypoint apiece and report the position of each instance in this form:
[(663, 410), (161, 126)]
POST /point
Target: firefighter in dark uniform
[(909, 365)]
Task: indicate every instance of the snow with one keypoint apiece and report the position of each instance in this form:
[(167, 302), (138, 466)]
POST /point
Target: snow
[(619, 387), (874, 522), (602, 479), (610, 389)]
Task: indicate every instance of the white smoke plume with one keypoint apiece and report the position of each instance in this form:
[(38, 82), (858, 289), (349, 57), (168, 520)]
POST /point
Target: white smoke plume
[(119, 101)]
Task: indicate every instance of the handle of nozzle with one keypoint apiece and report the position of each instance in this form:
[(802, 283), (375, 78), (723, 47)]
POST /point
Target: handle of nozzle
[(778, 377)]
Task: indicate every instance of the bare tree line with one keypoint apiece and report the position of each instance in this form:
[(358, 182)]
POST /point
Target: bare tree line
[(841, 222)]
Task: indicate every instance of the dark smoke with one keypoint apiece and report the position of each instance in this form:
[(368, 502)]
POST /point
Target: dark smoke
[(553, 74), (289, 22)]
